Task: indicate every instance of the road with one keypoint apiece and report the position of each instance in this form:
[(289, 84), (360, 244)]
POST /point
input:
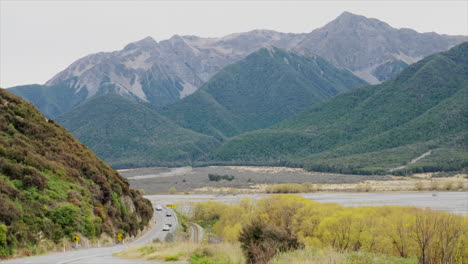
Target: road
[(196, 232), (103, 255)]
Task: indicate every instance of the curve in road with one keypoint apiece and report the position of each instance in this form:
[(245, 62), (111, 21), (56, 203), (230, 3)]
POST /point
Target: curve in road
[(103, 255)]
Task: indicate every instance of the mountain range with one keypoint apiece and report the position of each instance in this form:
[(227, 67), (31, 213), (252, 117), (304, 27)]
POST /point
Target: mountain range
[(256, 92), (270, 98), (373, 129), (164, 72)]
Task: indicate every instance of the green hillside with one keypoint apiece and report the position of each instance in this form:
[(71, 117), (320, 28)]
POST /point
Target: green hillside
[(51, 100), (52, 187), (264, 88), (373, 129), (128, 134)]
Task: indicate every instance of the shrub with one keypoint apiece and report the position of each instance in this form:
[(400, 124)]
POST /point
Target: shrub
[(173, 190), (217, 177), (4, 249), (9, 213), (66, 216), (261, 241)]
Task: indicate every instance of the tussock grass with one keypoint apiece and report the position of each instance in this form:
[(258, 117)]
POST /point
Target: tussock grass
[(292, 188)]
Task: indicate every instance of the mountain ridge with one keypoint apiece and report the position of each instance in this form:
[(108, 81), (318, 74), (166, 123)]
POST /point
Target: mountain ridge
[(166, 71)]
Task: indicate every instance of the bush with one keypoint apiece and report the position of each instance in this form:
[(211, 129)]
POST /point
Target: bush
[(173, 190), (218, 177), (66, 216), (4, 249), (261, 241)]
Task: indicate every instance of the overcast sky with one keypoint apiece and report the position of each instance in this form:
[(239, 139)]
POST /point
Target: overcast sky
[(40, 38)]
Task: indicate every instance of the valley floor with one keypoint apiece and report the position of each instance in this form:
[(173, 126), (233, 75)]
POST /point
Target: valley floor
[(249, 179)]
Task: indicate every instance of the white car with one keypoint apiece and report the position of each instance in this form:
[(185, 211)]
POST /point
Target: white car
[(158, 208), (166, 228)]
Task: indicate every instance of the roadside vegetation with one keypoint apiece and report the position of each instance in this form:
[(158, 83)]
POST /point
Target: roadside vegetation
[(290, 223), (287, 228)]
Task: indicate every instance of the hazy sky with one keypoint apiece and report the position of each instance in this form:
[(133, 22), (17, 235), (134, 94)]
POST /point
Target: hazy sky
[(40, 38)]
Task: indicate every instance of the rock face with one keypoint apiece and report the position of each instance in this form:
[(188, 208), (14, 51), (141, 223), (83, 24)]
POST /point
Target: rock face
[(166, 71), (163, 72), (363, 44)]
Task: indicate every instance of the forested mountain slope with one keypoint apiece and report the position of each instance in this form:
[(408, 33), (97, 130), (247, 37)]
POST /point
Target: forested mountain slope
[(129, 134), (373, 128), (259, 91)]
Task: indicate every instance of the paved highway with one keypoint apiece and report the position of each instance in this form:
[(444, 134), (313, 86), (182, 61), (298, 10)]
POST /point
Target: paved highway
[(103, 255)]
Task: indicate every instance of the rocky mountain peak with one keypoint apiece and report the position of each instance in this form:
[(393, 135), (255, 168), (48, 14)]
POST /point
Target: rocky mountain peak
[(348, 21), (146, 43)]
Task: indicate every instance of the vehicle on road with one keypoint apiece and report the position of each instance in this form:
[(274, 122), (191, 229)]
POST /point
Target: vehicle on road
[(169, 224), (166, 228), (168, 213), (158, 208)]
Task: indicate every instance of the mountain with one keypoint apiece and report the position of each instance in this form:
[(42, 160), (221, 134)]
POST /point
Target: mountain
[(129, 134), (52, 187), (164, 72), (256, 92), (418, 116), (372, 49), (259, 91)]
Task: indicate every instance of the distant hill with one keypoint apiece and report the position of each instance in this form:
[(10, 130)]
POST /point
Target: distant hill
[(128, 134), (259, 91), (373, 129), (164, 72), (52, 187)]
